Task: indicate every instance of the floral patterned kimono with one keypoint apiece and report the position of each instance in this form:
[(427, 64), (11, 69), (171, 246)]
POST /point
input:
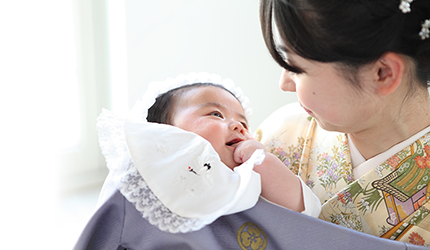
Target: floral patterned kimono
[(389, 201)]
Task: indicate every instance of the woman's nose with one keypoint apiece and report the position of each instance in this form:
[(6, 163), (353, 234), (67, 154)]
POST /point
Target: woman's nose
[(286, 82)]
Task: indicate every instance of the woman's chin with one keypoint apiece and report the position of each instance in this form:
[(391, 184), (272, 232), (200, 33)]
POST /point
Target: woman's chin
[(328, 126)]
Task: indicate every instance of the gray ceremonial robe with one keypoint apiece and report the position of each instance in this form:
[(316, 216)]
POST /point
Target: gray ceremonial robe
[(118, 225)]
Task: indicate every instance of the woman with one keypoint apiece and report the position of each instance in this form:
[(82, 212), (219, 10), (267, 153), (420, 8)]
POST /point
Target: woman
[(360, 70)]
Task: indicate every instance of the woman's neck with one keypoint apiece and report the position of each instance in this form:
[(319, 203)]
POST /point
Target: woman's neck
[(399, 124)]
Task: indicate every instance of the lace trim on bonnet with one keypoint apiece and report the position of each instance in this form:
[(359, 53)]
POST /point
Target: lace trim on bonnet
[(172, 194)]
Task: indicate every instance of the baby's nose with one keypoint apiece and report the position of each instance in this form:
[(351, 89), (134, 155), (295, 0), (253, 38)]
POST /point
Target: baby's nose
[(237, 126)]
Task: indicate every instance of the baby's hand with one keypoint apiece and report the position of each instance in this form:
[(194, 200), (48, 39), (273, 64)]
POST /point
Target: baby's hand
[(245, 149)]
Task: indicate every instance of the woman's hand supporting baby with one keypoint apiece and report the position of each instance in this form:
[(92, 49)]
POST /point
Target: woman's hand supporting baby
[(279, 185)]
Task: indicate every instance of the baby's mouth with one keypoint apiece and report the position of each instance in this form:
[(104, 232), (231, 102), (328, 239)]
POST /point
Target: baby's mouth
[(234, 141)]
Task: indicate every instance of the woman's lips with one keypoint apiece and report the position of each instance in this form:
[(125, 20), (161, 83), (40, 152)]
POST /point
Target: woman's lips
[(307, 110)]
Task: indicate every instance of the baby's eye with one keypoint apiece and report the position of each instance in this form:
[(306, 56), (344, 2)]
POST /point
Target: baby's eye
[(217, 114), (245, 125)]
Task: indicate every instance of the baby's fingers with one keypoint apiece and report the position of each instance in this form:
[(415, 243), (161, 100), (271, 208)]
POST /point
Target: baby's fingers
[(243, 151)]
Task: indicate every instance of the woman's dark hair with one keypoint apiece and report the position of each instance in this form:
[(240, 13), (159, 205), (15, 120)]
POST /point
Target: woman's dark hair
[(162, 110), (352, 33)]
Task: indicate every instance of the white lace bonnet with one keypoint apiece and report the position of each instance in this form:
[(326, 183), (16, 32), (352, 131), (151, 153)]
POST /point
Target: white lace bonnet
[(175, 178)]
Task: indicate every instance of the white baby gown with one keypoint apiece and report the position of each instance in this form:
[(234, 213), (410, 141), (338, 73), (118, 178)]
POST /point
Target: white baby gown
[(174, 178)]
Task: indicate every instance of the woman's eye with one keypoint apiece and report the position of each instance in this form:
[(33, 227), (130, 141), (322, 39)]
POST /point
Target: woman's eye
[(293, 70), (296, 71)]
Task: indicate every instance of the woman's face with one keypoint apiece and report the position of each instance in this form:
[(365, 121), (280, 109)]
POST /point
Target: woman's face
[(325, 93)]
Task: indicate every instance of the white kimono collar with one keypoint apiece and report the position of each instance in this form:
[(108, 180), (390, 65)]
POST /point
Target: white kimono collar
[(361, 166)]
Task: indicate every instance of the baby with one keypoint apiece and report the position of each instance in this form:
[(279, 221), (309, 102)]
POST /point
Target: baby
[(184, 156), (214, 113)]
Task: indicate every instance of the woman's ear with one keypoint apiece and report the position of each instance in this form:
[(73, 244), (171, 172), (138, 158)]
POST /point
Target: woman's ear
[(390, 70)]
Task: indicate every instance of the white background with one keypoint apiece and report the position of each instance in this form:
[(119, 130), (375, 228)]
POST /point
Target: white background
[(170, 37), (61, 61)]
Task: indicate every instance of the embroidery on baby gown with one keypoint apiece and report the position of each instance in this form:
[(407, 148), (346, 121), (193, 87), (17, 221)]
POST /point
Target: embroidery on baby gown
[(196, 182)]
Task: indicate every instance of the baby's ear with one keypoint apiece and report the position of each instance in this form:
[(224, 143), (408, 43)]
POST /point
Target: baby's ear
[(389, 71)]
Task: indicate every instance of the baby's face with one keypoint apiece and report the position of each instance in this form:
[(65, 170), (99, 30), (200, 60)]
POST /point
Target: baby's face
[(216, 115)]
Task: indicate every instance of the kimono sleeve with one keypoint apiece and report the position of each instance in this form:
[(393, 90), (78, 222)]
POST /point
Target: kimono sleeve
[(283, 126)]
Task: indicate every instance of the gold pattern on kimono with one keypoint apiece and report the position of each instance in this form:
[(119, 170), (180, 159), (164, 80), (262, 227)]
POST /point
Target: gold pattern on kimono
[(329, 166), (304, 160), (390, 199), (251, 237)]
